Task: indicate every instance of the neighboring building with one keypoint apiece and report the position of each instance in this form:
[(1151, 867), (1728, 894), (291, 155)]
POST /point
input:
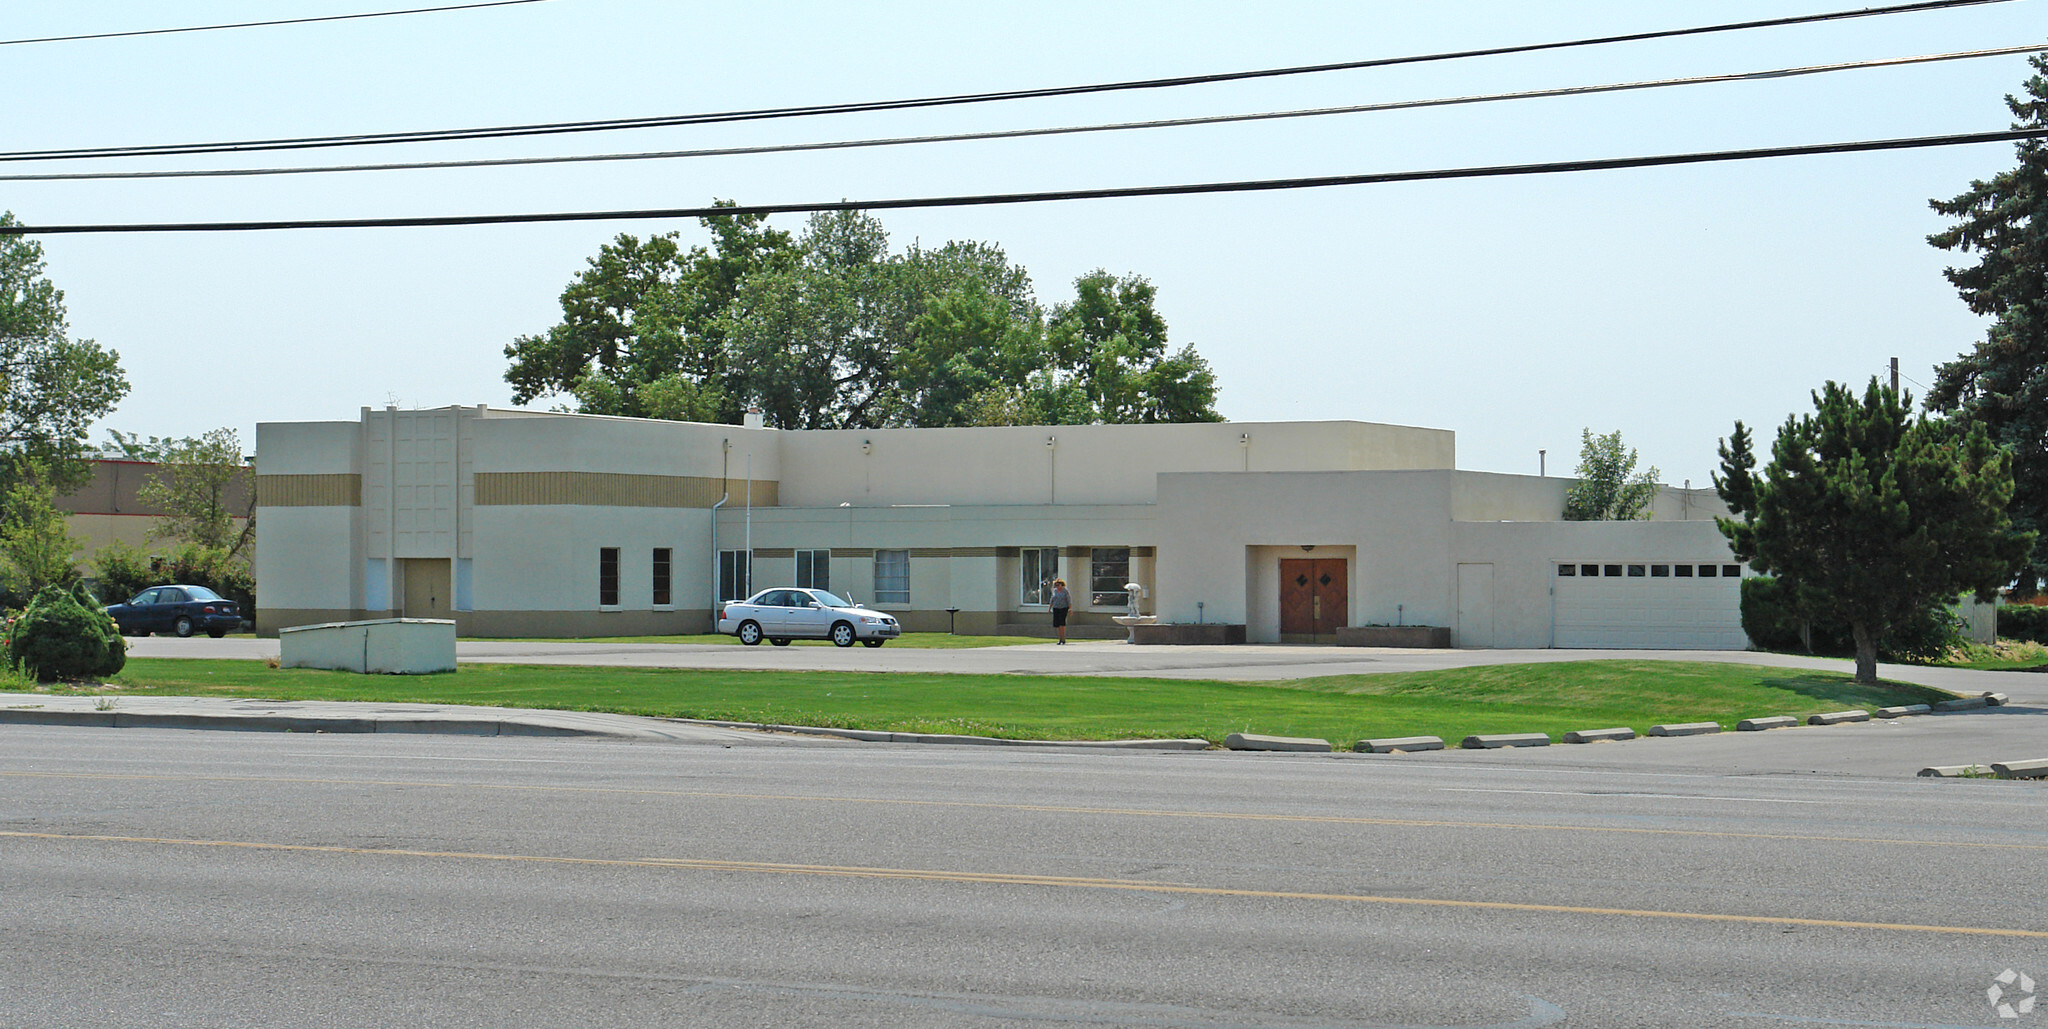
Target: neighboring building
[(518, 523), (107, 508)]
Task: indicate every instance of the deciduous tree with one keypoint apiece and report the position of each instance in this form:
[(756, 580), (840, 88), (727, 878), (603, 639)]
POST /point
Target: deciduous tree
[(1609, 487), (52, 387), (200, 486)]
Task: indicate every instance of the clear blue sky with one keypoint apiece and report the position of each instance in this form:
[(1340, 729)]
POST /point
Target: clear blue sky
[(1663, 303)]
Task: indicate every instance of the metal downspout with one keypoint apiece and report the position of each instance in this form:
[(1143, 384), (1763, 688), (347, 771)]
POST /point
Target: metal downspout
[(724, 494)]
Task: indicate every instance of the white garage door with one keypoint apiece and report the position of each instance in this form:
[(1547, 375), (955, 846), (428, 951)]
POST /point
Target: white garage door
[(1647, 606)]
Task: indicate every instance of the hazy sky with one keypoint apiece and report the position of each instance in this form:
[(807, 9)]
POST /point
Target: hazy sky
[(1663, 303)]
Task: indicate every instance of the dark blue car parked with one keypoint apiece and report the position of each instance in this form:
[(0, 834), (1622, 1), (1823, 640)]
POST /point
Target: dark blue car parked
[(178, 610)]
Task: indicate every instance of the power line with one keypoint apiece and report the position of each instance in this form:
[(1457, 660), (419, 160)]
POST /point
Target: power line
[(1219, 119), (991, 199), (263, 24), (813, 110)]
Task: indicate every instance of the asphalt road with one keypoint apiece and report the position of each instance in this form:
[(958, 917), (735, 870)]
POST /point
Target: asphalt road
[(189, 879)]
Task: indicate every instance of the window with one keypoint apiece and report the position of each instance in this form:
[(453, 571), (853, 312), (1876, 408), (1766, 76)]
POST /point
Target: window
[(1684, 571), (1660, 571), (1567, 569), (1589, 571), (1731, 571), (1707, 571), (1635, 571), (662, 597), (608, 577), (1614, 571), (892, 576), (1108, 569), (734, 574), (814, 569), (1038, 567)]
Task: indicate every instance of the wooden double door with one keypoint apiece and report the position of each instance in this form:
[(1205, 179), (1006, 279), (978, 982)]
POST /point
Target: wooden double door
[(1314, 598)]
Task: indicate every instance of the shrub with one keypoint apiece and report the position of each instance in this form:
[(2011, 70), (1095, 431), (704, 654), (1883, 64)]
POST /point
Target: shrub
[(1768, 617), (125, 570), (2023, 622), (63, 634)]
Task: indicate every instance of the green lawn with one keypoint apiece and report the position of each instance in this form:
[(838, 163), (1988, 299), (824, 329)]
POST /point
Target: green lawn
[(912, 640), (1551, 698)]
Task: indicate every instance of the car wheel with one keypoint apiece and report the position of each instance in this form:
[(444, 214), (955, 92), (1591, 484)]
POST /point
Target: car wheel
[(842, 634), (750, 633), (780, 641), (183, 627), (871, 644), (216, 633)]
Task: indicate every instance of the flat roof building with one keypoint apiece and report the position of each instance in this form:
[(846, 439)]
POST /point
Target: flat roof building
[(519, 523)]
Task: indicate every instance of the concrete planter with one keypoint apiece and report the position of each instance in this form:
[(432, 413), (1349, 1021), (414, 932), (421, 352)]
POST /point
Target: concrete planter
[(1419, 637), (395, 646), (1183, 634)]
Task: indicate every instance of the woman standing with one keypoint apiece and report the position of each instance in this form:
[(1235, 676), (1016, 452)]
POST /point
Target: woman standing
[(1061, 602)]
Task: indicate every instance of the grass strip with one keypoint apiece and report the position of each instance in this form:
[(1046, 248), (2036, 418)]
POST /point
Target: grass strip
[(1551, 698)]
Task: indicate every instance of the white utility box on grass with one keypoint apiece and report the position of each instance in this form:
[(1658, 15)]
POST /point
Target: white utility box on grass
[(391, 646)]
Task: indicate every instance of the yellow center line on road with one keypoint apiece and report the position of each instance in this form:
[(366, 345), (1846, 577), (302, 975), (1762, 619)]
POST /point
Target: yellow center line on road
[(1057, 809), (1016, 879)]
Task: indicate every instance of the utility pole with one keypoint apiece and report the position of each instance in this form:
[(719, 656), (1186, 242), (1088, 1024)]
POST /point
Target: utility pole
[(1895, 375)]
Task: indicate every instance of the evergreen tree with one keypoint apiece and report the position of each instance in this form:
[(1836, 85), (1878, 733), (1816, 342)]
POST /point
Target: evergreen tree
[(1871, 515), (2002, 383)]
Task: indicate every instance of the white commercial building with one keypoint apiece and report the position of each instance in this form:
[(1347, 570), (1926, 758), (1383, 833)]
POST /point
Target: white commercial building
[(517, 523)]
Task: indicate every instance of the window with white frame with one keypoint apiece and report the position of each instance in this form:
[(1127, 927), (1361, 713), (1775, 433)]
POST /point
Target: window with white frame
[(607, 576), (1038, 567), (662, 595), (892, 576), (733, 575), (814, 569), (1108, 569)]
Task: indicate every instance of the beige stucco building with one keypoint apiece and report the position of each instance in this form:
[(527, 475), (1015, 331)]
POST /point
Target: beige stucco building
[(518, 523)]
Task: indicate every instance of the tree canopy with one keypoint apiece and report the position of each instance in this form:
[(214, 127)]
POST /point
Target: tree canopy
[(2002, 383), (833, 329), (1871, 515), (1609, 487), (52, 387), (194, 486)]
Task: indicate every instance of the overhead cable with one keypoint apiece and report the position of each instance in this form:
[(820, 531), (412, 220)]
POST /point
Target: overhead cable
[(1218, 119), (814, 110), (992, 199), (263, 24)]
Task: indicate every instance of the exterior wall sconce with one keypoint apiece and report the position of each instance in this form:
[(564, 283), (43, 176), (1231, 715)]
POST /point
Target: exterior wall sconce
[(1306, 547), (867, 446), (1051, 442)]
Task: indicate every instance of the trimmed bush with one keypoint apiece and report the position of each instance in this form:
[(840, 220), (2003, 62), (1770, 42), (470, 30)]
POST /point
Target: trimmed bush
[(64, 635), (125, 570), (2023, 622), (1767, 617)]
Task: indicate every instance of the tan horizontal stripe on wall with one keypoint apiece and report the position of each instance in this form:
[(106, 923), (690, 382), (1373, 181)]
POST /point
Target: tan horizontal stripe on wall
[(613, 489), (852, 552), (983, 551), (338, 490), (1141, 551), (772, 553), (932, 552)]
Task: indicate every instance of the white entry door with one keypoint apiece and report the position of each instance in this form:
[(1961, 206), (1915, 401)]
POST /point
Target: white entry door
[(1475, 606)]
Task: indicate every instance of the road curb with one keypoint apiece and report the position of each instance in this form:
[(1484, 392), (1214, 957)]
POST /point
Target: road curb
[(1686, 729), (1288, 744), (1599, 735), (1963, 704), (884, 736), (333, 724), (1398, 745), (1511, 739)]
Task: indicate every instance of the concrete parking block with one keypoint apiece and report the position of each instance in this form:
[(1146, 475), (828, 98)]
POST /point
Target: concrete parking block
[(1955, 772), (1512, 739), (2036, 768), (1997, 699), (1685, 729), (1402, 744), (1597, 735), (1295, 744), (1766, 722), (1963, 704), (1902, 711), (1838, 717)]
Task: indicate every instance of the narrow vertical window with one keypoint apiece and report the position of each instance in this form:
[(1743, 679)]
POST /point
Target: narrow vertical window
[(608, 577), (1038, 566), (814, 569), (732, 575), (661, 577), (1108, 569)]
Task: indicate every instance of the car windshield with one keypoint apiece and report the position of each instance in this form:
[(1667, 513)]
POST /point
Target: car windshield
[(830, 600), (201, 593)]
